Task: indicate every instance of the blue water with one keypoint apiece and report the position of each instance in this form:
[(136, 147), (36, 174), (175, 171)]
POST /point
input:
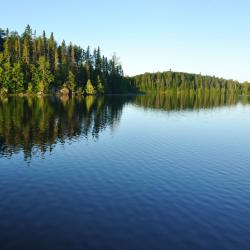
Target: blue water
[(124, 176)]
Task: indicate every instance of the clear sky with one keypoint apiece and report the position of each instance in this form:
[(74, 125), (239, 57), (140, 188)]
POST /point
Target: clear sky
[(207, 36)]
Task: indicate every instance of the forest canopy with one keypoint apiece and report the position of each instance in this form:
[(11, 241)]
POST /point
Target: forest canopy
[(39, 64), (31, 64), (179, 81)]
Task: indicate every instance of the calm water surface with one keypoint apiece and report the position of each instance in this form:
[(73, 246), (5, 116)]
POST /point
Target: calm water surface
[(138, 172)]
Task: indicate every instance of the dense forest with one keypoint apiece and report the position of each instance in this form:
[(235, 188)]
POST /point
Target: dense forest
[(37, 64), (177, 81), (31, 64)]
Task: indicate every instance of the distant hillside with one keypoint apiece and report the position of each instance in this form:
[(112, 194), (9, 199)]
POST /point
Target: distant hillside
[(165, 81)]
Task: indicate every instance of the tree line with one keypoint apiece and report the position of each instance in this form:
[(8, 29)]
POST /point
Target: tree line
[(31, 64), (38, 64), (178, 81)]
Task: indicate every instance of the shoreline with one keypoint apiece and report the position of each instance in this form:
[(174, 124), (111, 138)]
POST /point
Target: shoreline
[(74, 95)]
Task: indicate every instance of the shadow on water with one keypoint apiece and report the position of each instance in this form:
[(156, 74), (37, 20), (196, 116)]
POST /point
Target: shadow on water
[(33, 124)]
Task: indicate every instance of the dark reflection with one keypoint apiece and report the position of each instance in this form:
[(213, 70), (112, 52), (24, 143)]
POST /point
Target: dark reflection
[(36, 124), (191, 100)]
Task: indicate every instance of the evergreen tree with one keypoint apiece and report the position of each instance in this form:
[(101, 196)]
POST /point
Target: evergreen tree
[(17, 49), (45, 77), (51, 52), (44, 45), (7, 77), (17, 84), (7, 46), (27, 45), (1, 39), (1, 70), (178, 81), (34, 49), (32, 64)]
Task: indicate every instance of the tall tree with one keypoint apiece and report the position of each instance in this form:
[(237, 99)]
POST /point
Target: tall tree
[(45, 77), (27, 45), (2, 34), (34, 64), (51, 52), (7, 46), (34, 49), (17, 78)]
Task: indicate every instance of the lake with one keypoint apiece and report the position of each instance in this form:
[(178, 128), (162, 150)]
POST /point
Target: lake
[(125, 172)]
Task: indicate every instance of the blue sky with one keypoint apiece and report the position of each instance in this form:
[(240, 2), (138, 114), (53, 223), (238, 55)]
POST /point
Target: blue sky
[(207, 36)]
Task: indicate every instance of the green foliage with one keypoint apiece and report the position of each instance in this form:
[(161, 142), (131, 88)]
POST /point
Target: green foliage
[(7, 76), (32, 64), (89, 88), (45, 76), (1, 69), (6, 46), (1, 39), (41, 76), (39, 64), (177, 81), (17, 78)]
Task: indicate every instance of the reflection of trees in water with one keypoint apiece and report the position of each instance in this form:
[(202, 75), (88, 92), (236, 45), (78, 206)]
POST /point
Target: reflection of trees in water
[(36, 124), (189, 100)]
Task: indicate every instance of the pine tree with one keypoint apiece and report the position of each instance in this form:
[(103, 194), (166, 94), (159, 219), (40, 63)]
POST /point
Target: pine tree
[(56, 59), (63, 61), (1, 70), (44, 45), (2, 34), (45, 77), (17, 78), (7, 77), (51, 52), (37, 64), (71, 56), (17, 49), (27, 45), (34, 49), (56, 67), (26, 51), (98, 61), (7, 46)]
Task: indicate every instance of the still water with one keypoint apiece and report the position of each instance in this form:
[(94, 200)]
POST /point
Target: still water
[(137, 172)]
